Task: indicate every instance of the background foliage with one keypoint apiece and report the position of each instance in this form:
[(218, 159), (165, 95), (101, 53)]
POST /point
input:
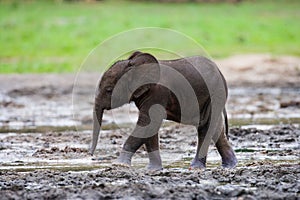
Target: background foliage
[(56, 36)]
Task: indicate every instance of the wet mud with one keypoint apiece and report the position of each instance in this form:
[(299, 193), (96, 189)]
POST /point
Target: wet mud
[(57, 166)]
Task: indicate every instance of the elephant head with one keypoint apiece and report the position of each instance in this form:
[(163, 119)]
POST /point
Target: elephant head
[(125, 81)]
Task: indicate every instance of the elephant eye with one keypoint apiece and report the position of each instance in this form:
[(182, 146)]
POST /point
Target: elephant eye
[(109, 89)]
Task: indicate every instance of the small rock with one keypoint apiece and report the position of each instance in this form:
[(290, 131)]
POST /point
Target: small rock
[(229, 190)]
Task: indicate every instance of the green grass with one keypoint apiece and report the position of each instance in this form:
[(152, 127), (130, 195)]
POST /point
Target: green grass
[(42, 36)]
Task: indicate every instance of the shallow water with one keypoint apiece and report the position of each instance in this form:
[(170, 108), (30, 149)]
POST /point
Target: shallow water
[(69, 150), (245, 106)]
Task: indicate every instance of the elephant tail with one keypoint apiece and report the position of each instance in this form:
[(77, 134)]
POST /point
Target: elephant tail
[(226, 122)]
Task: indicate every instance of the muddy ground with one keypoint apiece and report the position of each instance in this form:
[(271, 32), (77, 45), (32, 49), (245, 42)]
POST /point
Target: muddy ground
[(44, 149), (57, 166)]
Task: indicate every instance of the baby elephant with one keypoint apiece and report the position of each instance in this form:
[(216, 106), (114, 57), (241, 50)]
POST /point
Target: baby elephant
[(188, 90)]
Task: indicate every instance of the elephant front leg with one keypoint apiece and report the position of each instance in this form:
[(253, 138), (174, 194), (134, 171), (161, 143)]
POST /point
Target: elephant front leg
[(145, 132), (131, 145), (152, 146)]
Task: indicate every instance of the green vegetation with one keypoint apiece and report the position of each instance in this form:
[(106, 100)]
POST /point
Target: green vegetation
[(44, 36)]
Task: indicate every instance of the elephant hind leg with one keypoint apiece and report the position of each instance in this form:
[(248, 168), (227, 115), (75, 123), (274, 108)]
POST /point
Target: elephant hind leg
[(199, 161), (225, 150)]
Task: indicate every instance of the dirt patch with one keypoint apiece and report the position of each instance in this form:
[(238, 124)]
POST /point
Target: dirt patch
[(291, 103), (264, 181), (261, 70)]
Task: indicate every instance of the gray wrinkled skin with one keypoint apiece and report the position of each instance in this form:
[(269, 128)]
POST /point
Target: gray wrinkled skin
[(188, 90)]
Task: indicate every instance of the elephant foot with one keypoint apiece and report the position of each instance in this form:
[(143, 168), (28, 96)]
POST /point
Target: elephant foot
[(155, 163), (124, 159), (229, 161), (198, 163), (154, 167)]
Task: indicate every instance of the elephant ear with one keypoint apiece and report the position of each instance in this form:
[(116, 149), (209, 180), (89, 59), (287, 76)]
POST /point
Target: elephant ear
[(134, 54), (145, 71), (139, 58)]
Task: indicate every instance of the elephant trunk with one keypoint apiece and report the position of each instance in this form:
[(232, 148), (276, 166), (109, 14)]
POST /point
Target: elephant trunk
[(97, 120)]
